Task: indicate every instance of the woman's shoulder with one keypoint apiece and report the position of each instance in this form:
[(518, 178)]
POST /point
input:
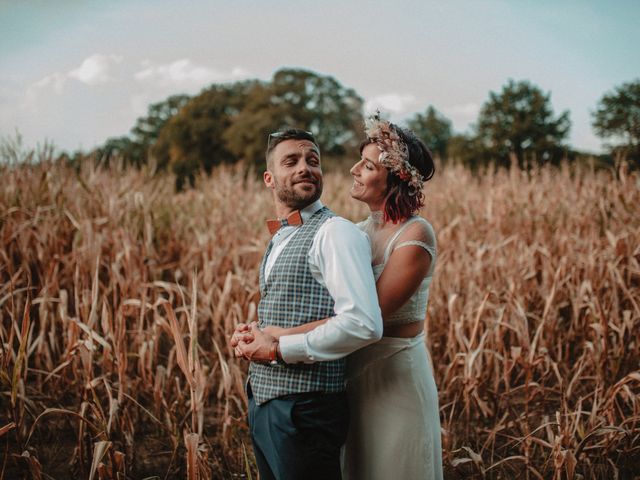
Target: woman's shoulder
[(419, 225), (421, 220), (417, 230)]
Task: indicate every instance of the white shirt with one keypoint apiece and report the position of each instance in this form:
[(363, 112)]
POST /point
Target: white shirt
[(340, 260)]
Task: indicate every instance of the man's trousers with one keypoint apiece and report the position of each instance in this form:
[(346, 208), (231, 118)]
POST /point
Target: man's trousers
[(299, 436)]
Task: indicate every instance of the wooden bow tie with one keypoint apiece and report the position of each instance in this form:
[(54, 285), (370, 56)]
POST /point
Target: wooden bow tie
[(294, 219)]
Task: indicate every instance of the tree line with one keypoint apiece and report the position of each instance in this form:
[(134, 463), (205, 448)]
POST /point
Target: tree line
[(230, 122)]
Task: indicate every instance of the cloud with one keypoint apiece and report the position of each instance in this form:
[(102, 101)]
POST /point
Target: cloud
[(158, 81), (395, 103), (95, 69), (239, 72), (184, 73), (55, 81), (120, 88)]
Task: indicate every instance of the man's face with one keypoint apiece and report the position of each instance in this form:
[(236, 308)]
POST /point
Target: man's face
[(294, 173)]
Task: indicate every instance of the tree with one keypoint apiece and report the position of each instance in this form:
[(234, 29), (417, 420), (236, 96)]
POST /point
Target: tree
[(520, 121), (135, 149), (618, 118), (131, 151), (247, 133), (147, 129), (433, 129), (297, 98), (229, 122), (194, 137), (464, 149)]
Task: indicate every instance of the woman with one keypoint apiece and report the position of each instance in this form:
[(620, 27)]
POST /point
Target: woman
[(394, 429)]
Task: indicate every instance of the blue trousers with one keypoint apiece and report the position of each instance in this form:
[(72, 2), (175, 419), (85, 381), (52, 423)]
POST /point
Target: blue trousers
[(299, 436)]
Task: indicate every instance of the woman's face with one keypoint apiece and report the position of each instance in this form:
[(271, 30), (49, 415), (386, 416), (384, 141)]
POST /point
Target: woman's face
[(369, 178)]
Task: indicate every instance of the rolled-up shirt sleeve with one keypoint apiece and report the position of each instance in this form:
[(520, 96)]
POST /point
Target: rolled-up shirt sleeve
[(340, 259)]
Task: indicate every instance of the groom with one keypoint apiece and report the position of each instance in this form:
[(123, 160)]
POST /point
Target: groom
[(316, 266)]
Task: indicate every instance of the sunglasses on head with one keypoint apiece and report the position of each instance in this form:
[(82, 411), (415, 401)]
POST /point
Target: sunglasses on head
[(281, 134)]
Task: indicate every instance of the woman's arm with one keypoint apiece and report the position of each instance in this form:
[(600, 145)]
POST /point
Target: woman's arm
[(406, 268), (277, 332), (401, 277)]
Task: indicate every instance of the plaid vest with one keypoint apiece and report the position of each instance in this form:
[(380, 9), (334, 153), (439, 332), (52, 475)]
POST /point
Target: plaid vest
[(292, 297)]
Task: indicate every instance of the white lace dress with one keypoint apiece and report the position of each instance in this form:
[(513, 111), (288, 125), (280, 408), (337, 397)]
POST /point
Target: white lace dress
[(394, 427)]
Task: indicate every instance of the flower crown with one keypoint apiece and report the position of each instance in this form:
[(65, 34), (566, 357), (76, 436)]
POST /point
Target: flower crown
[(394, 153)]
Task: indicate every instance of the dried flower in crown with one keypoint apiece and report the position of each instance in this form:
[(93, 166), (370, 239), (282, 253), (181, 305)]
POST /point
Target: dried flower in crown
[(394, 153)]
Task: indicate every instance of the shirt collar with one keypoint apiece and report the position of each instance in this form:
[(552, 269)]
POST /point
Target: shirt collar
[(308, 211)]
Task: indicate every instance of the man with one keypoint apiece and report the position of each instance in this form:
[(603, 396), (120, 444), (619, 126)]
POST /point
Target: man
[(316, 266)]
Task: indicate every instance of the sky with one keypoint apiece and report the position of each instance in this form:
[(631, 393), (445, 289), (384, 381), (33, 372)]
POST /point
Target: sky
[(77, 72)]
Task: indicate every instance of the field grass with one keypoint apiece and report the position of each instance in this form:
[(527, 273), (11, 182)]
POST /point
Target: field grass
[(117, 297)]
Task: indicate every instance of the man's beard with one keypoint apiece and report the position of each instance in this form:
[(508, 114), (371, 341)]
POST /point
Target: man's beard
[(293, 199)]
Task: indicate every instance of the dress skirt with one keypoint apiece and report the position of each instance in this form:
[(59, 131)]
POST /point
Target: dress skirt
[(394, 426)]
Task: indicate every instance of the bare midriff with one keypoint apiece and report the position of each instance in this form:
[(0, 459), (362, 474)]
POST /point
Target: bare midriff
[(406, 330)]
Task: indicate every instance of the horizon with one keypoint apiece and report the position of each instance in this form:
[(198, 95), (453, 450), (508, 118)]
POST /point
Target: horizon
[(75, 74)]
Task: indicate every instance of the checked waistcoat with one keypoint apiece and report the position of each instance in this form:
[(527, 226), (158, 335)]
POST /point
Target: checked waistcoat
[(289, 298)]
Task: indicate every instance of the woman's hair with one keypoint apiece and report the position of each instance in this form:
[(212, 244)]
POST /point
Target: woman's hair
[(399, 203)]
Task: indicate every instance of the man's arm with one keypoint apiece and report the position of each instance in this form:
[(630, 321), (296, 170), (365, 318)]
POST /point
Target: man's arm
[(341, 253)]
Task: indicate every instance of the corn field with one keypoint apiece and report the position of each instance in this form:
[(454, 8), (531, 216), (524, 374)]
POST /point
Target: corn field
[(118, 295)]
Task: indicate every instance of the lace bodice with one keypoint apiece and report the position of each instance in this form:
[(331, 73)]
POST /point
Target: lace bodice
[(422, 235)]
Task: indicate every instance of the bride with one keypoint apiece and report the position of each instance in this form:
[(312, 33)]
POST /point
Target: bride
[(394, 428)]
